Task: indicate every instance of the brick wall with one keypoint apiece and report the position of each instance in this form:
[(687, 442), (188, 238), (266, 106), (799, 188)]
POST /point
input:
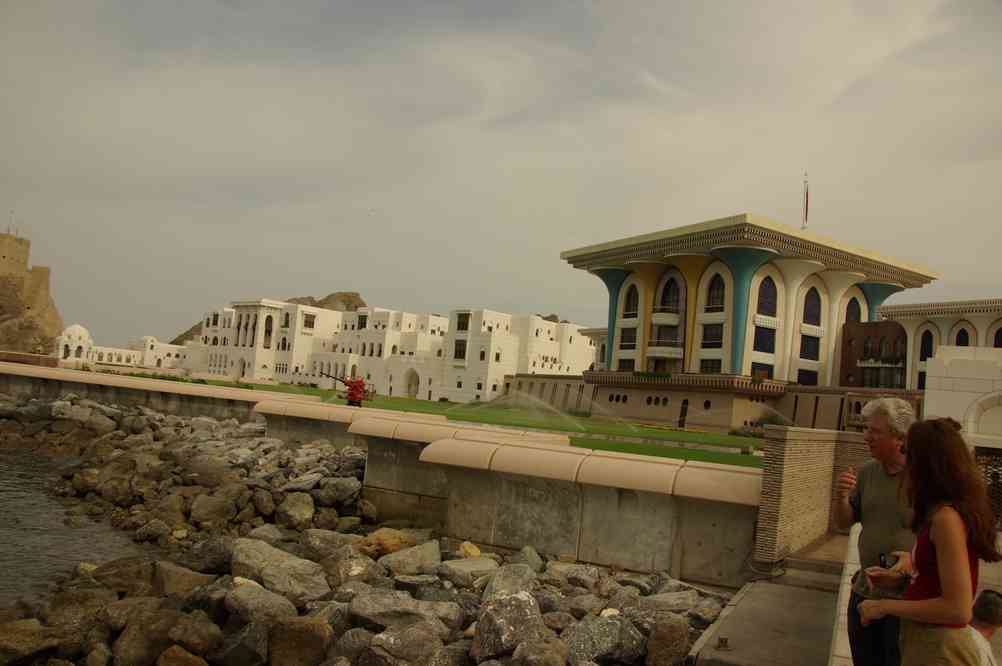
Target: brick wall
[(29, 359)]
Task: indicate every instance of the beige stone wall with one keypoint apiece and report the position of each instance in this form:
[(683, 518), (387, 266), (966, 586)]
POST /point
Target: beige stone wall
[(13, 254), (29, 320)]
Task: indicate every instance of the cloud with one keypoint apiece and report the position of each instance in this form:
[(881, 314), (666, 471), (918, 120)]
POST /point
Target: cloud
[(170, 157)]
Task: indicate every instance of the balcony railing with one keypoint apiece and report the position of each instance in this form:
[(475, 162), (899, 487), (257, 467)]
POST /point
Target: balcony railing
[(625, 346), (726, 383), (666, 309), (712, 343), (632, 314), (666, 342)]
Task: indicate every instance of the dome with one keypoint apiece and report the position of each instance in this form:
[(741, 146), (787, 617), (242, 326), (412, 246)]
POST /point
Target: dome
[(77, 332)]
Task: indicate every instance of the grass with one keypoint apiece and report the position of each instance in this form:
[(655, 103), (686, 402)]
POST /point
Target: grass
[(663, 451), (516, 417)]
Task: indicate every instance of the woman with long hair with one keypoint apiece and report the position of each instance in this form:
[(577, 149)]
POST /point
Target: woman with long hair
[(955, 527)]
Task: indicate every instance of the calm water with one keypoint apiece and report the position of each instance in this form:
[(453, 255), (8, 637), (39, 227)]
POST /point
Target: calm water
[(35, 544)]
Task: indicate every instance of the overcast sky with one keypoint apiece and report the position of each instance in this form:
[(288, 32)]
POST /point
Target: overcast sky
[(169, 157)]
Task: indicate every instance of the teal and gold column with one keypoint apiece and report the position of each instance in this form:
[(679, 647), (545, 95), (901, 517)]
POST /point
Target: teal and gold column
[(613, 278), (743, 262), (876, 293), (691, 266)]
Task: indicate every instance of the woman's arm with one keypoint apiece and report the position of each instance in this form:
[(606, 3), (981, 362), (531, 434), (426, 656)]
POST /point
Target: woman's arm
[(949, 535)]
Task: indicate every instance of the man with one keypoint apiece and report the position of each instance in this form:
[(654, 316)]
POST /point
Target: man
[(987, 617), (871, 497)]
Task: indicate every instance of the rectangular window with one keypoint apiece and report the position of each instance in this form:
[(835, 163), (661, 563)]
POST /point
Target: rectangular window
[(309, 321), (459, 383), (807, 377), (625, 365), (765, 340), (709, 366), (460, 351), (363, 322), (761, 370), (215, 320), (483, 355), (480, 386), (664, 336), (463, 321), (628, 338), (810, 347), (921, 381), (497, 357), (713, 336)]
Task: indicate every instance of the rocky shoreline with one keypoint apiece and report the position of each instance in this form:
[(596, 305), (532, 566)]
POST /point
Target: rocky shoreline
[(270, 556)]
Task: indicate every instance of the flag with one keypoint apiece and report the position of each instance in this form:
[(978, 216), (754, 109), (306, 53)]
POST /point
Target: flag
[(803, 222)]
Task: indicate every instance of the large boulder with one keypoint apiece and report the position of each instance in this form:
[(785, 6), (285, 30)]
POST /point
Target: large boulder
[(299, 641), (296, 511), (346, 564), (464, 572), (130, 576), (145, 638), (172, 580), (416, 560), (530, 557), (402, 645), (197, 633), (384, 541), (176, 655), (77, 609), (213, 555), (337, 491), (351, 643), (668, 643), (320, 544), (264, 502), (542, 652), (213, 510), (675, 602), (118, 614), (604, 639), (509, 579), (380, 609), (246, 647), (24, 638), (293, 577), (254, 604), (505, 623)]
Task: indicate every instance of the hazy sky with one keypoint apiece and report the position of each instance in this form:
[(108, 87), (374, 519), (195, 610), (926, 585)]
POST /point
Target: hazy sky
[(169, 157)]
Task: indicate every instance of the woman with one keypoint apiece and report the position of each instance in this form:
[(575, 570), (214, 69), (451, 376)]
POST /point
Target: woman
[(955, 527)]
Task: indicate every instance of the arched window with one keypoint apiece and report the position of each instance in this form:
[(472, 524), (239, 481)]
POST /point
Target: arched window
[(885, 348), (812, 307), (100, 357), (852, 311), (285, 321), (380, 349), (926, 346), (215, 342), (767, 297), (393, 350), (867, 349), (715, 294), (632, 303), (267, 331), (998, 338), (669, 297), (963, 339)]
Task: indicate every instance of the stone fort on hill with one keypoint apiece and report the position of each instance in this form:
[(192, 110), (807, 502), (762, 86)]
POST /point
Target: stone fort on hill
[(29, 320)]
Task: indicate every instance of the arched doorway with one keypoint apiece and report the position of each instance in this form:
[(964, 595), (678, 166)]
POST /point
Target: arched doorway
[(243, 367), (79, 352), (354, 370), (683, 413), (160, 363), (66, 351), (413, 382)]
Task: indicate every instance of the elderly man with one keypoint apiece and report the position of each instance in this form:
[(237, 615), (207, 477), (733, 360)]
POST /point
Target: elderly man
[(870, 496)]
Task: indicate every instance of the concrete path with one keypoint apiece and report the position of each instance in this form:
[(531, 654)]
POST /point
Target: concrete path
[(766, 623)]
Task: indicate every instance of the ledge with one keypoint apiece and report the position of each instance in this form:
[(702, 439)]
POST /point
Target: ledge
[(739, 384)]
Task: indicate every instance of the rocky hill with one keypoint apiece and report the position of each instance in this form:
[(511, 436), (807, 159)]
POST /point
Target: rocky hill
[(342, 301)]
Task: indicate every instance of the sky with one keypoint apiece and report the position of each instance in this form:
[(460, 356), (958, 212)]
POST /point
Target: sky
[(166, 158)]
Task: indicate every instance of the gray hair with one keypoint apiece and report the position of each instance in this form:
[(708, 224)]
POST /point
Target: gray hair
[(899, 413), (988, 608)]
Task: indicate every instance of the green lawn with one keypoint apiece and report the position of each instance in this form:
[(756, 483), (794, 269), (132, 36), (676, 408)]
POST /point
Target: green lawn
[(517, 417), (664, 451)]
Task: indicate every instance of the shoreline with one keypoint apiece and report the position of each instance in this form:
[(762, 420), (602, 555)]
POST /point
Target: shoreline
[(268, 555)]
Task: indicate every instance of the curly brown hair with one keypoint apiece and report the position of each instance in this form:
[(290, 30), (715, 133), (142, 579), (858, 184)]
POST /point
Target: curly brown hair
[(940, 470)]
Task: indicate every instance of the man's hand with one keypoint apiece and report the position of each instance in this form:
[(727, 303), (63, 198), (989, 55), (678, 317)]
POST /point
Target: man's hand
[(871, 610), (846, 483)]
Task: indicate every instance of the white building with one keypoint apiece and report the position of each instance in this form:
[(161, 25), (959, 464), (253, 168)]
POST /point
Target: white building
[(461, 358), (75, 348), (966, 383)]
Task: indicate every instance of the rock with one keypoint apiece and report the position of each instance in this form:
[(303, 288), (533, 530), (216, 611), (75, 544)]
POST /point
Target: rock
[(706, 612), (603, 638), (454, 654), (100, 424), (178, 656), (296, 511), (383, 542), (416, 560), (326, 519), (579, 575), (152, 531), (177, 581), (380, 609), (212, 510), (23, 638), (86, 481), (67, 411), (197, 633), (351, 643), (320, 543), (246, 647), (263, 502), (410, 644), (337, 491), (346, 564), (212, 555), (644, 583), (118, 613), (295, 578), (585, 604), (468, 550), (145, 638), (505, 623), (115, 481), (171, 509), (669, 642), (100, 655), (303, 484), (509, 579), (676, 602), (368, 511), (259, 606), (559, 621), (270, 534), (529, 556), (348, 523), (299, 641), (543, 652), (77, 609), (464, 572), (334, 613), (130, 576)]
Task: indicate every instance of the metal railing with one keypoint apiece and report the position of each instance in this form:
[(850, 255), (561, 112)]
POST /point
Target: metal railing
[(666, 342)]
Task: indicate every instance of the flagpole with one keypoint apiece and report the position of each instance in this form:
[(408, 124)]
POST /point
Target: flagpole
[(803, 221)]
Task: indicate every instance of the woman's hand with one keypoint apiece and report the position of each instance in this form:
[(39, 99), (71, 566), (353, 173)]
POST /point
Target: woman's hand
[(904, 563), (885, 579), (871, 610)]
